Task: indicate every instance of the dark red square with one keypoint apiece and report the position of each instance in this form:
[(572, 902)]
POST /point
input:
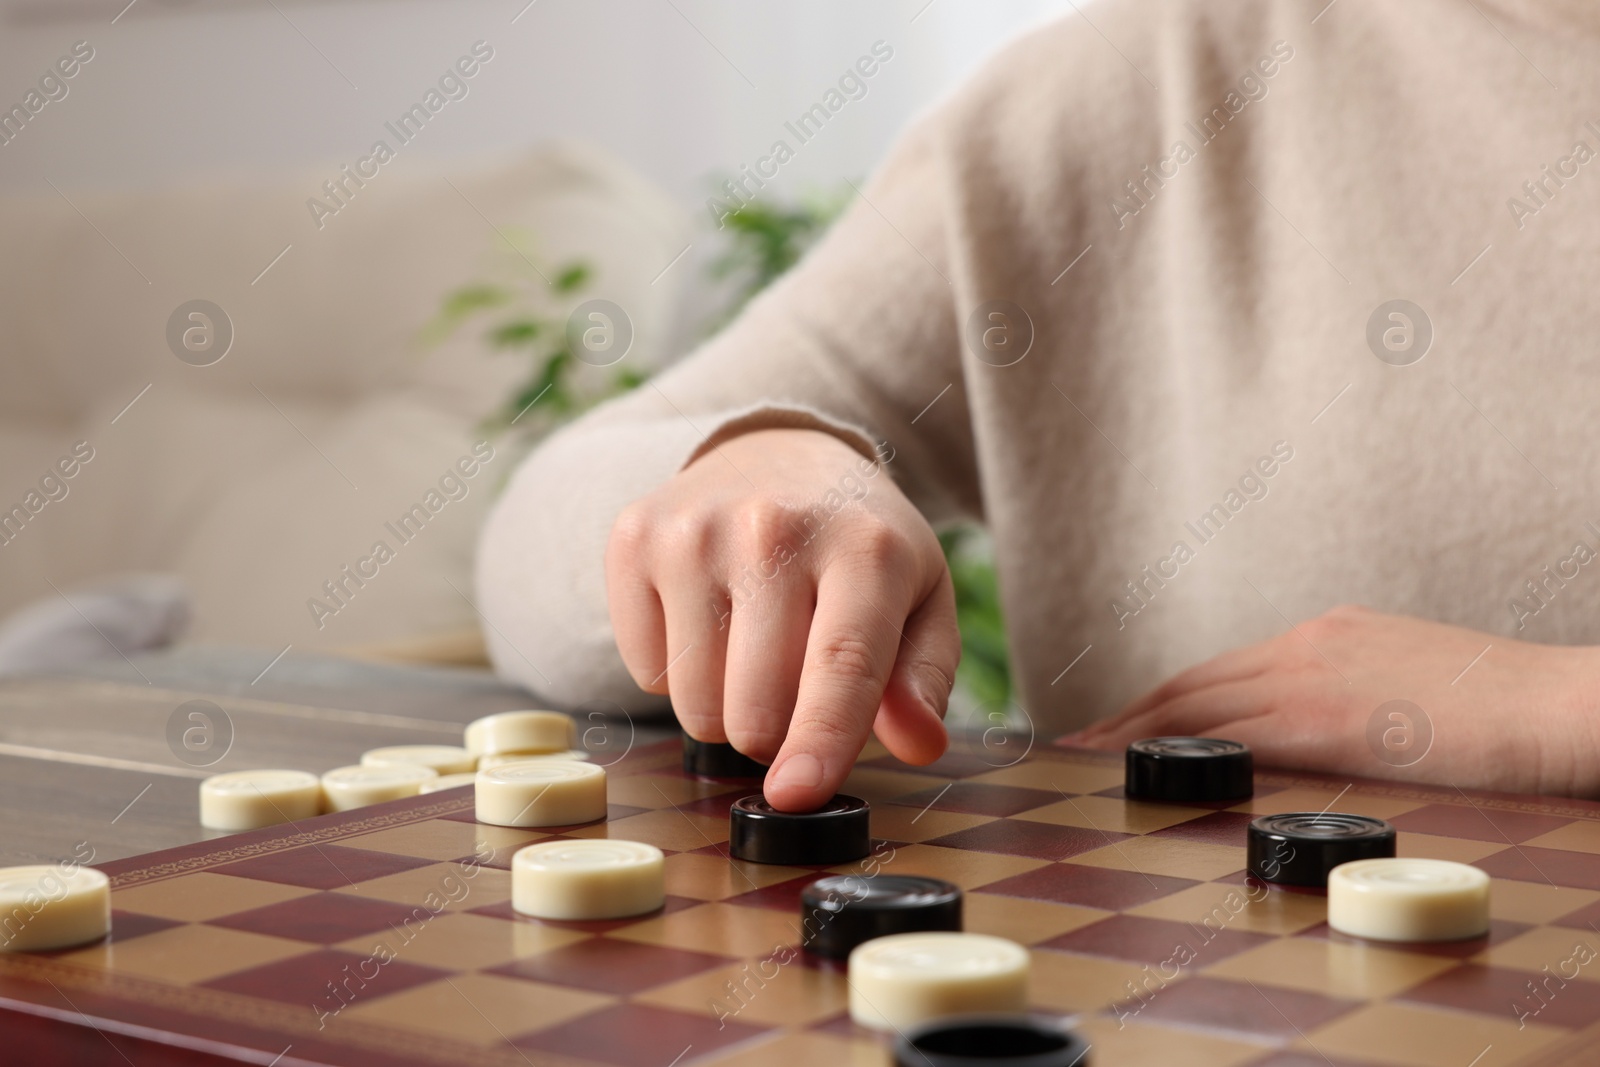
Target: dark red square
[(1553, 866), (611, 965), (1585, 918), (636, 1033), (1536, 997), (958, 762), (1477, 823), (715, 806), (1094, 887), (1232, 1007), (976, 798), (1117, 792), (780, 896), (504, 910), (326, 918), (1217, 828), (321, 866), (127, 925), (1156, 941), (1017, 837), (305, 980)]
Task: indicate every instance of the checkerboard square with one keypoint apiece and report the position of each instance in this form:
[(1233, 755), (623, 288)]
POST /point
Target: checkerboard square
[(504, 910), (766, 992), (1431, 1037), (1478, 823), (980, 798), (321, 866), (202, 895), (720, 928), (480, 1009), (1529, 863), (900, 822), (703, 877), (608, 965), (1216, 828), (1095, 887), (1027, 922), (1234, 1008), (127, 925), (638, 1033), (1156, 941), (186, 954), (1103, 813), (779, 896), (325, 917), (667, 829), (1014, 837), (326, 979), (1547, 998)]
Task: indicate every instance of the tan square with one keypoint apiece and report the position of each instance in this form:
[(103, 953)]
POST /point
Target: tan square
[(461, 942), (1411, 1036), (202, 896), (1111, 815), (1535, 902), (1357, 971), (714, 878), (443, 886), (1060, 777), (440, 839), (1068, 982), (1433, 847), (1574, 837), (877, 786), (721, 928), (806, 1050), (1543, 946), (1173, 857), (765, 992), (1027, 922), (1136, 1042), (185, 955), (657, 791), (680, 831), (897, 822), (1217, 905), (483, 1009), (966, 869), (1310, 799)]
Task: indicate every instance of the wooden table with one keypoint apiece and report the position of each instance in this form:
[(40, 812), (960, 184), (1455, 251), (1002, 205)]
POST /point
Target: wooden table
[(85, 756)]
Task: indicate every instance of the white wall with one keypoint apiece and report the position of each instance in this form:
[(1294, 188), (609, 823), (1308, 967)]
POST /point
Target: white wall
[(173, 95)]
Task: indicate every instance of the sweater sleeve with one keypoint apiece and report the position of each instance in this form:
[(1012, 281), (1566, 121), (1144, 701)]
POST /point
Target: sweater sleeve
[(859, 340)]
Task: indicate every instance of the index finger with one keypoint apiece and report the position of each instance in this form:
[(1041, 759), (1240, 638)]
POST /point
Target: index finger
[(850, 652)]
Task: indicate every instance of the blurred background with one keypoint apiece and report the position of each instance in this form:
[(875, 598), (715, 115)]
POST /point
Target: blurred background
[(284, 282)]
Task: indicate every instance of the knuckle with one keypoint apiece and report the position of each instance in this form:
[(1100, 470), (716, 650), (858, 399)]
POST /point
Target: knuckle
[(630, 533), (847, 656), (880, 545), (765, 527)]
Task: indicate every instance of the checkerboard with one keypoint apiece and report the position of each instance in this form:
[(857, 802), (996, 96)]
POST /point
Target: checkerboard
[(386, 936)]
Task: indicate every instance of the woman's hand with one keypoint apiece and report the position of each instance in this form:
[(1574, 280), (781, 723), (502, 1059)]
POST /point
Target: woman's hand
[(1521, 718), (791, 601)]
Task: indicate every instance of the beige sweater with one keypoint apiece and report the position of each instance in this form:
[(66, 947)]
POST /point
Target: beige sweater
[(1199, 205)]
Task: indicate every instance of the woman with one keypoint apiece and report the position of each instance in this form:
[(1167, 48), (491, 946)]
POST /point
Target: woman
[(1218, 316)]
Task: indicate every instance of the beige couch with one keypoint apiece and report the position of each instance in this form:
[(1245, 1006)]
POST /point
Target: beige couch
[(263, 476)]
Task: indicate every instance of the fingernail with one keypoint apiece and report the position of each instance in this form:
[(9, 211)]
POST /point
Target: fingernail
[(801, 772)]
